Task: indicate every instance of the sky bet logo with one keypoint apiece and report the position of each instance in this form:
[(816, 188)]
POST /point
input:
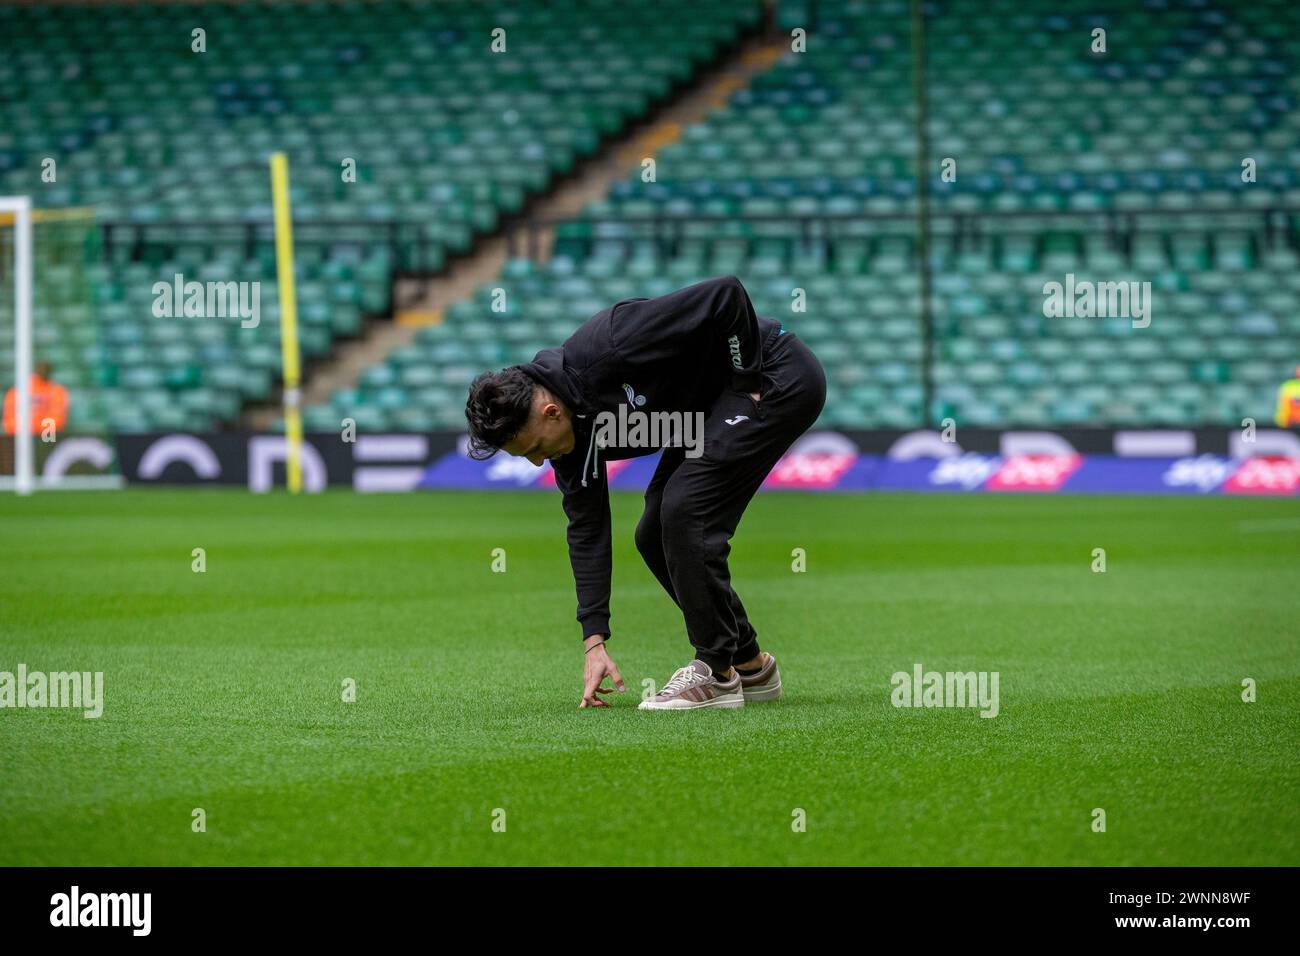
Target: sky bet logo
[(102, 909)]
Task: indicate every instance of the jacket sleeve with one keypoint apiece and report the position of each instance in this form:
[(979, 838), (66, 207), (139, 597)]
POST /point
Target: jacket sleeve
[(649, 330), (590, 552)]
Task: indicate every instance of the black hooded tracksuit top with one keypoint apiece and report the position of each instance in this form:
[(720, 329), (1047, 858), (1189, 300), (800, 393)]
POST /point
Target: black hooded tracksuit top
[(675, 352)]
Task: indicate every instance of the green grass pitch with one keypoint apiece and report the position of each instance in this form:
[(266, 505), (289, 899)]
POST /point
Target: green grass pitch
[(1119, 690)]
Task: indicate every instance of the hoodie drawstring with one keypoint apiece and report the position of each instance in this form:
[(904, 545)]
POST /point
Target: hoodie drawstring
[(593, 455)]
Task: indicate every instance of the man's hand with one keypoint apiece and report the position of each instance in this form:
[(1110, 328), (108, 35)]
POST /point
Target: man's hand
[(597, 665), (754, 395)]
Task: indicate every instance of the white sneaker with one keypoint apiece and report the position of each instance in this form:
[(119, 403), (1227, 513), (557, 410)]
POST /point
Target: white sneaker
[(695, 686)]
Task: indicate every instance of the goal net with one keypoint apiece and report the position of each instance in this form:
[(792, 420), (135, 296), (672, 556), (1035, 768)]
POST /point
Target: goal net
[(53, 360)]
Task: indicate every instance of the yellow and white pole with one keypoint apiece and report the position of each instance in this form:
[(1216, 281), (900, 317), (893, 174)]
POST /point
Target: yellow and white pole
[(288, 319)]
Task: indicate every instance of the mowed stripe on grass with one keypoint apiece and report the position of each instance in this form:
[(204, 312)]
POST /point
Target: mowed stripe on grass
[(1119, 691)]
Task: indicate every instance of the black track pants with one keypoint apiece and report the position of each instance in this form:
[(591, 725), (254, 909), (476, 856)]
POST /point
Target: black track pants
[(693, 505)]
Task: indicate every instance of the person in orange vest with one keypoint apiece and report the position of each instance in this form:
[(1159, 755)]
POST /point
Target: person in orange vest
[(1288, 402), (49, 403)]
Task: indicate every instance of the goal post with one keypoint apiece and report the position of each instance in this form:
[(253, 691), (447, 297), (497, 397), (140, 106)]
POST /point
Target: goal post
[(20, 207), (53, 259)]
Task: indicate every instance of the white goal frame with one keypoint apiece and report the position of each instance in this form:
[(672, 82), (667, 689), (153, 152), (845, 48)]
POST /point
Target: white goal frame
[(24, 460), (25, 480)]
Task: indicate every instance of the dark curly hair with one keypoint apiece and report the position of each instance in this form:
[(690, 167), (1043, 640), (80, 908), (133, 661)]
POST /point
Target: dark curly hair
[(498, 407)]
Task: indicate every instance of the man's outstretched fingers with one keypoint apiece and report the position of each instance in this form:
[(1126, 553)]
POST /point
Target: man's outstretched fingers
[(618, 678), (589, 698)]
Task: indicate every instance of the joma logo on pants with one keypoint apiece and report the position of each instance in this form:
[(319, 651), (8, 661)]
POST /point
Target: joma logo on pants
[(734, 342), (102, 909)]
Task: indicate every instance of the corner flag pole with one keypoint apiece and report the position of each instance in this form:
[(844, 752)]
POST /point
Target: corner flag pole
[(288, 318)]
